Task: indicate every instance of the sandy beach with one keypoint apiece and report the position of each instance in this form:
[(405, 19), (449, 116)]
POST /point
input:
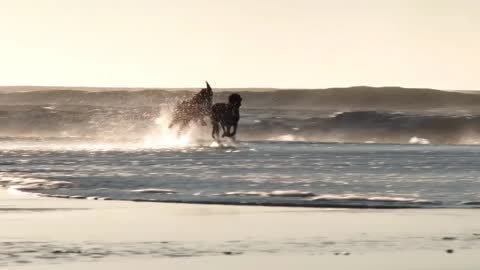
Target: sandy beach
[(51, 233), (270, 135)]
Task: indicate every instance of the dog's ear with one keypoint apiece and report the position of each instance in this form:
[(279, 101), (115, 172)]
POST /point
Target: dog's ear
[(208, 86)]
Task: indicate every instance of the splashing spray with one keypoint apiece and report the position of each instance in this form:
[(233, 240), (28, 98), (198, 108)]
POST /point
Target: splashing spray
[(161, 136)]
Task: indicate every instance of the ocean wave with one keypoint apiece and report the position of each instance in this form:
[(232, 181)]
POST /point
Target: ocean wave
[(290, 198), (363, 198), (291, 193), (244, 193), (32, 184), (350, 115), (34, 125), (337, 199), (472, 203), (275, 193), (18, 184), (357, 114), (346, 204)]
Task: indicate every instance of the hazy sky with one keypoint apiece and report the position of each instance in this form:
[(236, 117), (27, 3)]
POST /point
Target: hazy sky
[(240, 43)]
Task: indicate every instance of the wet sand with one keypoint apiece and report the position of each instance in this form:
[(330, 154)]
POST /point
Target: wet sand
[(50, 233), (417, 260)]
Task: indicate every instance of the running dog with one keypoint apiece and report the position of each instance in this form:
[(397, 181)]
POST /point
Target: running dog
[(227, 116)]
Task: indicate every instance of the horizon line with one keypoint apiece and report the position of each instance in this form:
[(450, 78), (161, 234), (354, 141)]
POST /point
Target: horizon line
[(226, 88)]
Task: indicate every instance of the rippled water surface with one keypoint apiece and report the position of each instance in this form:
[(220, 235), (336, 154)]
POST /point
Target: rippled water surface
[(267, 173)]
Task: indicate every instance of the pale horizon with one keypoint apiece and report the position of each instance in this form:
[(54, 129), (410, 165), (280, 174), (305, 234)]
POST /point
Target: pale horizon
[(200, 85), (307, 44)]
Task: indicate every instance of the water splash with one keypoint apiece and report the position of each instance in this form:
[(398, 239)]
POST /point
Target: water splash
[(161, 136)]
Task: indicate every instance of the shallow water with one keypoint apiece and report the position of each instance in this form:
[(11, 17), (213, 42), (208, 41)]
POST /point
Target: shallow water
[(263, 173)]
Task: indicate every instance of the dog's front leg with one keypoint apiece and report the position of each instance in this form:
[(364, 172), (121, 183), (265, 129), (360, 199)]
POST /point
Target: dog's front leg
[(234, 130)]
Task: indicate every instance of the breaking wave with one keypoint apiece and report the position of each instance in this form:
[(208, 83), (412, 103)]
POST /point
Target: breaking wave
[(140, 118), (148, 127)]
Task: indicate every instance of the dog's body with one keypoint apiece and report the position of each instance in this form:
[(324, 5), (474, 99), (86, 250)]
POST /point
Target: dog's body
[(194, 109), (227, 116)]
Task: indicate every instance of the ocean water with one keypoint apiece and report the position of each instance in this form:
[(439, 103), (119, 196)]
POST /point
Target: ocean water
[(290, 152), (252, 173)]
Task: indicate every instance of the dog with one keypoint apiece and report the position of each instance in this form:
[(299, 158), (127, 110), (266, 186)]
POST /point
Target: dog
[(227, 116), (193, 110)]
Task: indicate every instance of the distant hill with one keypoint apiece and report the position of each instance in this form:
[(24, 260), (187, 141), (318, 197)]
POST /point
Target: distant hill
[(365, 98), (352, 98), (27, 88)]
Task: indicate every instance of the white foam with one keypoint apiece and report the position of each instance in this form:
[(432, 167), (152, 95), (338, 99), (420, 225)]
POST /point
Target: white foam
[(276, 193), (396, 199), (291, 193), (59, 184), (287, 138), (15, 191), (246, 193), (77, 197), (353, 197), (417, 140), (338, 197), (335, 114), (154, 190)]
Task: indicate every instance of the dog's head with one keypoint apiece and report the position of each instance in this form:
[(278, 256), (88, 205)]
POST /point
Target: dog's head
[(235, 99)]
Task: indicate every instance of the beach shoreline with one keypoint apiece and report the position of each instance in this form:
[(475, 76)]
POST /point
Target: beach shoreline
[(42, 232)]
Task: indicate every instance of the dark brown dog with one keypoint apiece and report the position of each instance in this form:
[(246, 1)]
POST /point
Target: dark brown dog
[(227, 116)]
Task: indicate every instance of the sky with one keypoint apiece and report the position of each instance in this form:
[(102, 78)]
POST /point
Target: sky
[(241, 43)]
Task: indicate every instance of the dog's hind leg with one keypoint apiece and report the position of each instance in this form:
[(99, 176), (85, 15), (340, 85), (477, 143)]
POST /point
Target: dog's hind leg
[(226, 131), (215, 131), (232, 134)]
